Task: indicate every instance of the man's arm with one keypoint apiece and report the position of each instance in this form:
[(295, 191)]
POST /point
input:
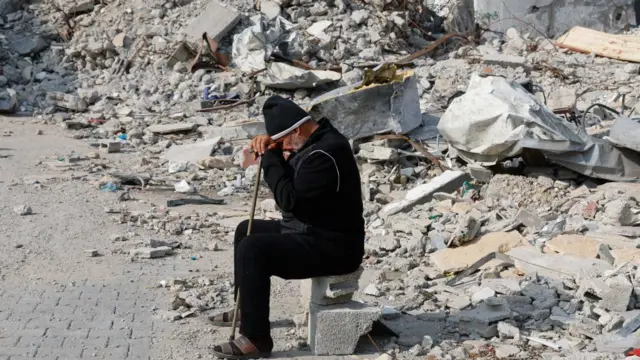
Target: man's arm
[(318, 176)]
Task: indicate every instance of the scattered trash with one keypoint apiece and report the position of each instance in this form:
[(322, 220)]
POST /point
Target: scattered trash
[(202, 200), (109, 187), (184, 187)]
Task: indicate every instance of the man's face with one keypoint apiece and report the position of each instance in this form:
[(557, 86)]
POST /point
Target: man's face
[(292, 142)]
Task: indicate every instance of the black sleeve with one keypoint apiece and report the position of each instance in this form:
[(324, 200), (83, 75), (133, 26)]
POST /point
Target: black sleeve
[(318, 176)]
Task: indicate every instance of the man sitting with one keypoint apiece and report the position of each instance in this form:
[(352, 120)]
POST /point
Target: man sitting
[(322, 230)]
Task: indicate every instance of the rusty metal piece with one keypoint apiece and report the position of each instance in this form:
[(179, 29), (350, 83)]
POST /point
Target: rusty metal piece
[(219, 60), (431, 47), (417, 147), (229, 106)]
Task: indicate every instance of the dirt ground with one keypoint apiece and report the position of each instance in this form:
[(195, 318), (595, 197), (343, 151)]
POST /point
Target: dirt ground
[(59, 303)]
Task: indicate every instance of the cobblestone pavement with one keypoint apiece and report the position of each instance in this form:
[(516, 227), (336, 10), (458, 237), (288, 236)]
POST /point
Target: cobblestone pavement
[(110, 320)]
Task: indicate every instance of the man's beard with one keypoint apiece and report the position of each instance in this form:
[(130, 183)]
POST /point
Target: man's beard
[(297, 142)]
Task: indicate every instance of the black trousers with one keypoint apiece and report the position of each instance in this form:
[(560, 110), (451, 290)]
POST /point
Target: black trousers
[(268, 252)]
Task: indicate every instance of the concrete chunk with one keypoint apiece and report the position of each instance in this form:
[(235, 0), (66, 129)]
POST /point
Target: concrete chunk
[(192, 153), (370, 151), (587, 327), (503, 286), (151, 253), (457, 259), (336, 329), (482, 295), (216, 20), (448, 181), (479, 172)]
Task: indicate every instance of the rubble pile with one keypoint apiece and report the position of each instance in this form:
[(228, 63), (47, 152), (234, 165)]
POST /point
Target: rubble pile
[(196, 294), (564, 279)]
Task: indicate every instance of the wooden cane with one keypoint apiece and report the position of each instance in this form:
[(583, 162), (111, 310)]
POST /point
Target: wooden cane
[(256, 187)]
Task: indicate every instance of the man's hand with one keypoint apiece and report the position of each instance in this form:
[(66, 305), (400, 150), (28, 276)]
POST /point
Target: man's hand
[(261, 143)]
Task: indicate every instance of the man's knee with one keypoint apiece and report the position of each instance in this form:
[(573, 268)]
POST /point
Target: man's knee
[(241, 231), (252, 246)]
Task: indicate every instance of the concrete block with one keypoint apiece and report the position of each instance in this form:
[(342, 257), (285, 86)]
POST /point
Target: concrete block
[(614, 293), (216, 20), (111, 146), (479, 172), (336, 329), (67, 101), (329, 290)]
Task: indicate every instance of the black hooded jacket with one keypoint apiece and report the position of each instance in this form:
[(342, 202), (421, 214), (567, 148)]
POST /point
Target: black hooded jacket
[(319, 185)]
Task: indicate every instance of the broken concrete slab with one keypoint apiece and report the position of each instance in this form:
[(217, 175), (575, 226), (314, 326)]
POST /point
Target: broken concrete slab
[(530, 260), (171, 128), (457, 259), (192, 153), (483, 319), (215, 19), (627, 231), (622, 256), (576, 245), (378, 108), (448, 181), (613, 241), (336, 329)]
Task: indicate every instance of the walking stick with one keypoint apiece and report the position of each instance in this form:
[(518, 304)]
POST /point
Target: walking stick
[(256, 187)]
